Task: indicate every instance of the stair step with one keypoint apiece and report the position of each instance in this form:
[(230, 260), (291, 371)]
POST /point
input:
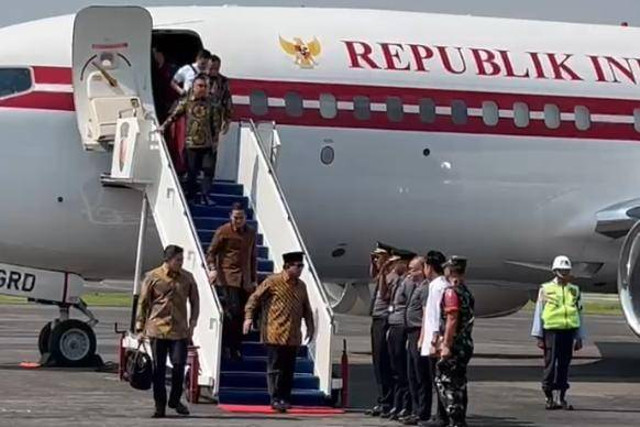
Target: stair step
[(258, 381), (227, 200), (253, 348), (230, 188), (205, 237), (259, 364), (215, 211), (261, 397)]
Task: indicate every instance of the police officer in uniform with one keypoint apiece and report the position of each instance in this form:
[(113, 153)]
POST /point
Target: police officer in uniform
[(456, 346), (557, 325), (397, 337), (379, 311)]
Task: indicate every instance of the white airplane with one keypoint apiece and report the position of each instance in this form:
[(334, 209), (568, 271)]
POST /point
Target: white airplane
[(506, 141)]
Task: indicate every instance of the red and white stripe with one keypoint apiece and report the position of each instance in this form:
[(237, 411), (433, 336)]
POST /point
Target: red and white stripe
[(611, 119)]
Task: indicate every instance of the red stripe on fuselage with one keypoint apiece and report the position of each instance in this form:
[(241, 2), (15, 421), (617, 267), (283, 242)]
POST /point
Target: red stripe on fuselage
[(52, 75), (52, 101)]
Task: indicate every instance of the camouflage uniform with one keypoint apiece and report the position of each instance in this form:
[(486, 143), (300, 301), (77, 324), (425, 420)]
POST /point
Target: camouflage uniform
[(451, 374)]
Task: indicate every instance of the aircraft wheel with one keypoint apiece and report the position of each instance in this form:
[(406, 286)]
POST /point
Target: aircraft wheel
[(44, 339), (73, 343)]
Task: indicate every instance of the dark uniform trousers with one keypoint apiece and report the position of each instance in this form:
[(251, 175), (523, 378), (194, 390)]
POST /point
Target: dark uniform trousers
[(558, 351), (281, 364), (381, 362), (420, 384), (451, 381), (177, 352), (233, 300), (397, 340)]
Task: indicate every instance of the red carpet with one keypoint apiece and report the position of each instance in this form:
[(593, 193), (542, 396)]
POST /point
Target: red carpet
[(296, 410), (29, 365)]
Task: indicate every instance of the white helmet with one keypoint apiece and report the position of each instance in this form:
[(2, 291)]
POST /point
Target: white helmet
[(561, 262)]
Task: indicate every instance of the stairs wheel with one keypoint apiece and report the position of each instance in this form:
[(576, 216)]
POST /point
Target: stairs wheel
[(44, 339), (72, 343)]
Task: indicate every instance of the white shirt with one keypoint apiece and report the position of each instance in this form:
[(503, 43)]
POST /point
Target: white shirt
[(431, 316), (186, 74)]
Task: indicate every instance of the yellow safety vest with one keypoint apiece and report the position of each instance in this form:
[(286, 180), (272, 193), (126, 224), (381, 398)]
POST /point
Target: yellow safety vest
[(561, 306)]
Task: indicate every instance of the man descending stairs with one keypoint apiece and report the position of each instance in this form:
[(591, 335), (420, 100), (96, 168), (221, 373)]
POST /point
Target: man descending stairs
[(244, 381)]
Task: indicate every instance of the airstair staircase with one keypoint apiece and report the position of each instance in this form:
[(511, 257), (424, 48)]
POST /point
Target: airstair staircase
[(115, 113)]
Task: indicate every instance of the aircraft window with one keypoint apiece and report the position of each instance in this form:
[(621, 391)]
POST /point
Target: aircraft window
[(551, 116), (583, 118), (258, 103), (490, 115), (293, 104), (394, 109), (328, 106), (636, 119), (459, 112), (427, 110), (521, 114), (361, 108), (14, 80)]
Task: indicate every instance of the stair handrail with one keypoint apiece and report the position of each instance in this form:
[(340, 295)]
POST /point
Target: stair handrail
[(290, 218), (320, 353), (156, 138)]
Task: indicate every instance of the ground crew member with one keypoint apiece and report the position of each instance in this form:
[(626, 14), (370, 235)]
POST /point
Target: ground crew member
[(456, 346), (557, 324), (430, 333), (379, 312), (283, 297), (199, 141), (397, 338), (232, 254), (162, 317), (417, 366)]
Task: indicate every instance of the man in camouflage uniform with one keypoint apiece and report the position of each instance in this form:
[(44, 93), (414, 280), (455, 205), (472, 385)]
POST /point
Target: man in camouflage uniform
[(456, 347)]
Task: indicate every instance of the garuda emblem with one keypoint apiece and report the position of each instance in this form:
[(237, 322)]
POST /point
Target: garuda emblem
[(304, 54)]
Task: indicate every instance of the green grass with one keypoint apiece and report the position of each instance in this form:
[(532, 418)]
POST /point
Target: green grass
[(607, 308), (94, 299)]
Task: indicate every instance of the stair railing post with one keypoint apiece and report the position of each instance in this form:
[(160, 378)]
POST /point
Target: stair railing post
[(139, 257)]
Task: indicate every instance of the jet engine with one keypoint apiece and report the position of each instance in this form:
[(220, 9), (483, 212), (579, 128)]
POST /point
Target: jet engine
[(629, 278)]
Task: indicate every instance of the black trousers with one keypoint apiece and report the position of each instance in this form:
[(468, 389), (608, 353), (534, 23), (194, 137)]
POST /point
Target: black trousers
[(381, 362), (233, 301), (558, 351), (420, 383), (397, 340), (177, 352), (195, 163), (281, 365), (441, 413)]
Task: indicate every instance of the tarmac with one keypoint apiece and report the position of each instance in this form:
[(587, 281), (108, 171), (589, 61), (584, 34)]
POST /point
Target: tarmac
[(504, 388)]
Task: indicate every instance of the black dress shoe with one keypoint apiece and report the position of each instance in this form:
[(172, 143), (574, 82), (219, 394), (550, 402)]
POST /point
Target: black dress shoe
[(159, 413), (433, 422), (402, 414), (374, 412), (389, 414), (279, 406), (179, 408), (411, 420)]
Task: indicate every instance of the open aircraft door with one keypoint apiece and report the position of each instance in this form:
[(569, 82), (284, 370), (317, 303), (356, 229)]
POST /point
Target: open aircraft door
[(111, 71)]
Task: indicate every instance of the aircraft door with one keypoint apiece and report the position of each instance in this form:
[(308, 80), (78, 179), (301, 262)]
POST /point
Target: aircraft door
[(111, 71)]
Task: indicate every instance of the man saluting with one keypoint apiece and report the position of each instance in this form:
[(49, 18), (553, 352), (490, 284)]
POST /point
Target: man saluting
[(284, 301)]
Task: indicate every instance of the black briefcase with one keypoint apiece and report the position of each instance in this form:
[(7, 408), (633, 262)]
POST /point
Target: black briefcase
[(138, 369)]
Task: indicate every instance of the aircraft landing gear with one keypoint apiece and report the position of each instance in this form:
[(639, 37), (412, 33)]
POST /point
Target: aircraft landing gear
[(69, 342)]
